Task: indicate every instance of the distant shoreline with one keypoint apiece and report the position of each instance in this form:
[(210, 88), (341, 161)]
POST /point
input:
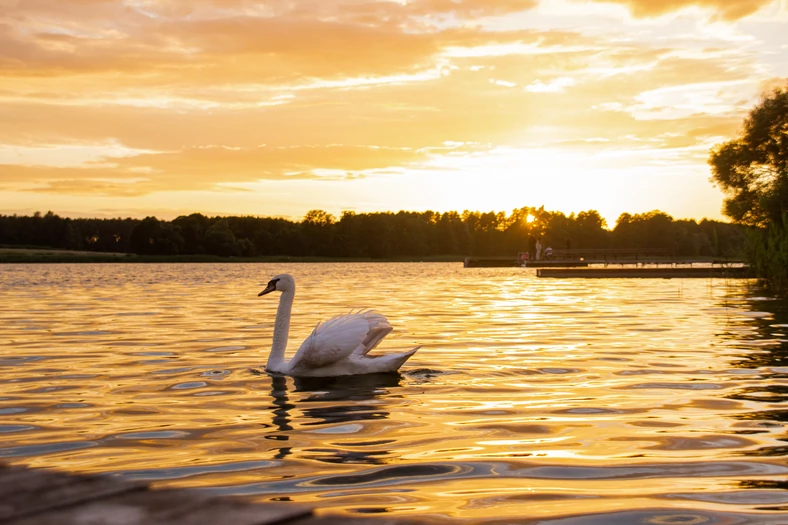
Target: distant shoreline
[(44, 255)]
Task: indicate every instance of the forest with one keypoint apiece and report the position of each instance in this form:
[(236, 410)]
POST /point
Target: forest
[(382, 235)]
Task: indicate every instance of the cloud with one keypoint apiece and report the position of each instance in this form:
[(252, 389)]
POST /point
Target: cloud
[(371, 12), (461, 106), (723, 9), (556, 85), (212, 94), (205, 168)]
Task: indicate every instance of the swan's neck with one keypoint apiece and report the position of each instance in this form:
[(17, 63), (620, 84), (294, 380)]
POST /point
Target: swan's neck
[(276, 359)]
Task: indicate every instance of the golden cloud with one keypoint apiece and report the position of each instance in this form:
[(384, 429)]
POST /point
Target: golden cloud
[(724, 9), (463, 106), (205, 168), (233, 91)]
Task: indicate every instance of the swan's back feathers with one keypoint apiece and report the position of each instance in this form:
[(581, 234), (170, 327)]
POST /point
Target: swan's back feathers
[(339, 337)]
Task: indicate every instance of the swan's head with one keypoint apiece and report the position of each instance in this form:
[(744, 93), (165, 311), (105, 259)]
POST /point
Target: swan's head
[(280, 283)]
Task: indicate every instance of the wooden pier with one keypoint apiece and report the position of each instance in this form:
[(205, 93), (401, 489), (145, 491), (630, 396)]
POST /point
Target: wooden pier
[(45, 497), (513, 262), (594, 257), (674, 272)]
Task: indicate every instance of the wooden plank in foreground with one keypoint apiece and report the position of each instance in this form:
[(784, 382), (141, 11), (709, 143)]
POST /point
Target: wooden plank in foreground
[(647, 273), (29, 491), (45, 497), (342, 520), (181, 507)]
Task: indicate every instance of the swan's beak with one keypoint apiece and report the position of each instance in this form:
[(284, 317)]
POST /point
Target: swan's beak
[(268, 289)]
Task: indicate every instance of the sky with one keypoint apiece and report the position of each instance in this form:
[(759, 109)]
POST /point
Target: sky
[(130, 108)]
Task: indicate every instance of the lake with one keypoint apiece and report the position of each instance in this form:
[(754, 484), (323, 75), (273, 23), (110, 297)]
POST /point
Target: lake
[(565, 402)]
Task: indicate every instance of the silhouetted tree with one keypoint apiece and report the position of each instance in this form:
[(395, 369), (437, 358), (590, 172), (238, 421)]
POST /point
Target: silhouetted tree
[(192, 229), (590, 230), (654, 229), (753, 168), (318, 232), (154, 237), (220, 240)]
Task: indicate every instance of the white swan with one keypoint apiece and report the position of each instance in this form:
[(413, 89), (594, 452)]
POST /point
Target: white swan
[(337, 347)]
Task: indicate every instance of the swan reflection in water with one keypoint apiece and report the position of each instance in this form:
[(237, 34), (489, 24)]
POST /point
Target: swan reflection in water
[(338, 406)]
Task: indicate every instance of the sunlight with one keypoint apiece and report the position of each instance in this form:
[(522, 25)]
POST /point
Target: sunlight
[(615, 180), (474, 105)]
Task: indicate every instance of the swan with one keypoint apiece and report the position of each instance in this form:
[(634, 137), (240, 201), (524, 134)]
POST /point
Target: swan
[(337, 347)]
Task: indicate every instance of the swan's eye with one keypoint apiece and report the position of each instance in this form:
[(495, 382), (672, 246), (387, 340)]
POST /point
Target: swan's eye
[(272, 283)]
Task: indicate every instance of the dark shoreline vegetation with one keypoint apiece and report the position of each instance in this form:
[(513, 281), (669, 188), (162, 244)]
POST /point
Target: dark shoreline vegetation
[(385, 236), (44, 254), (752, 169)]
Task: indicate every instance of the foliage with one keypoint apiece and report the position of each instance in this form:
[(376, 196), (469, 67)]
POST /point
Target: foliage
[(753, 168), (374, 235), (100, 235), (154, 237), (767, 251)]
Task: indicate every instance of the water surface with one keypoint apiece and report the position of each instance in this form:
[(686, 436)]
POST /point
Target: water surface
[(552, 401)]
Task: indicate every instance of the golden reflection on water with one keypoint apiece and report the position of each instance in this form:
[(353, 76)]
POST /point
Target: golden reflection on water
[(650, 400)]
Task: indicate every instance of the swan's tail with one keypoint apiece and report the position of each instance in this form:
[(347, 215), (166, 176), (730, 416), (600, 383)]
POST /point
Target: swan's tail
[(399, 359)]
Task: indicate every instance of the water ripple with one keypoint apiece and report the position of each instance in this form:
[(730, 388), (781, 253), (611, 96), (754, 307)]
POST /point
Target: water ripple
[(559, 402)]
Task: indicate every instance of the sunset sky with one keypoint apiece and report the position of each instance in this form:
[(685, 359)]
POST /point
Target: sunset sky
[(167, 107)]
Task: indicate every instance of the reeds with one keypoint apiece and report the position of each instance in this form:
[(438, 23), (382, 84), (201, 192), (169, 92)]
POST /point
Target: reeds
[(767, 252)]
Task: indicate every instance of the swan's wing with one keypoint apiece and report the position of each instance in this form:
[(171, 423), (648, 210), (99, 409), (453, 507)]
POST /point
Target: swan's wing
[(379, 327), (332, 341)]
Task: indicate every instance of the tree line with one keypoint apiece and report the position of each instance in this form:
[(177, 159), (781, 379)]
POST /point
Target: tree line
[(382, 235)]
